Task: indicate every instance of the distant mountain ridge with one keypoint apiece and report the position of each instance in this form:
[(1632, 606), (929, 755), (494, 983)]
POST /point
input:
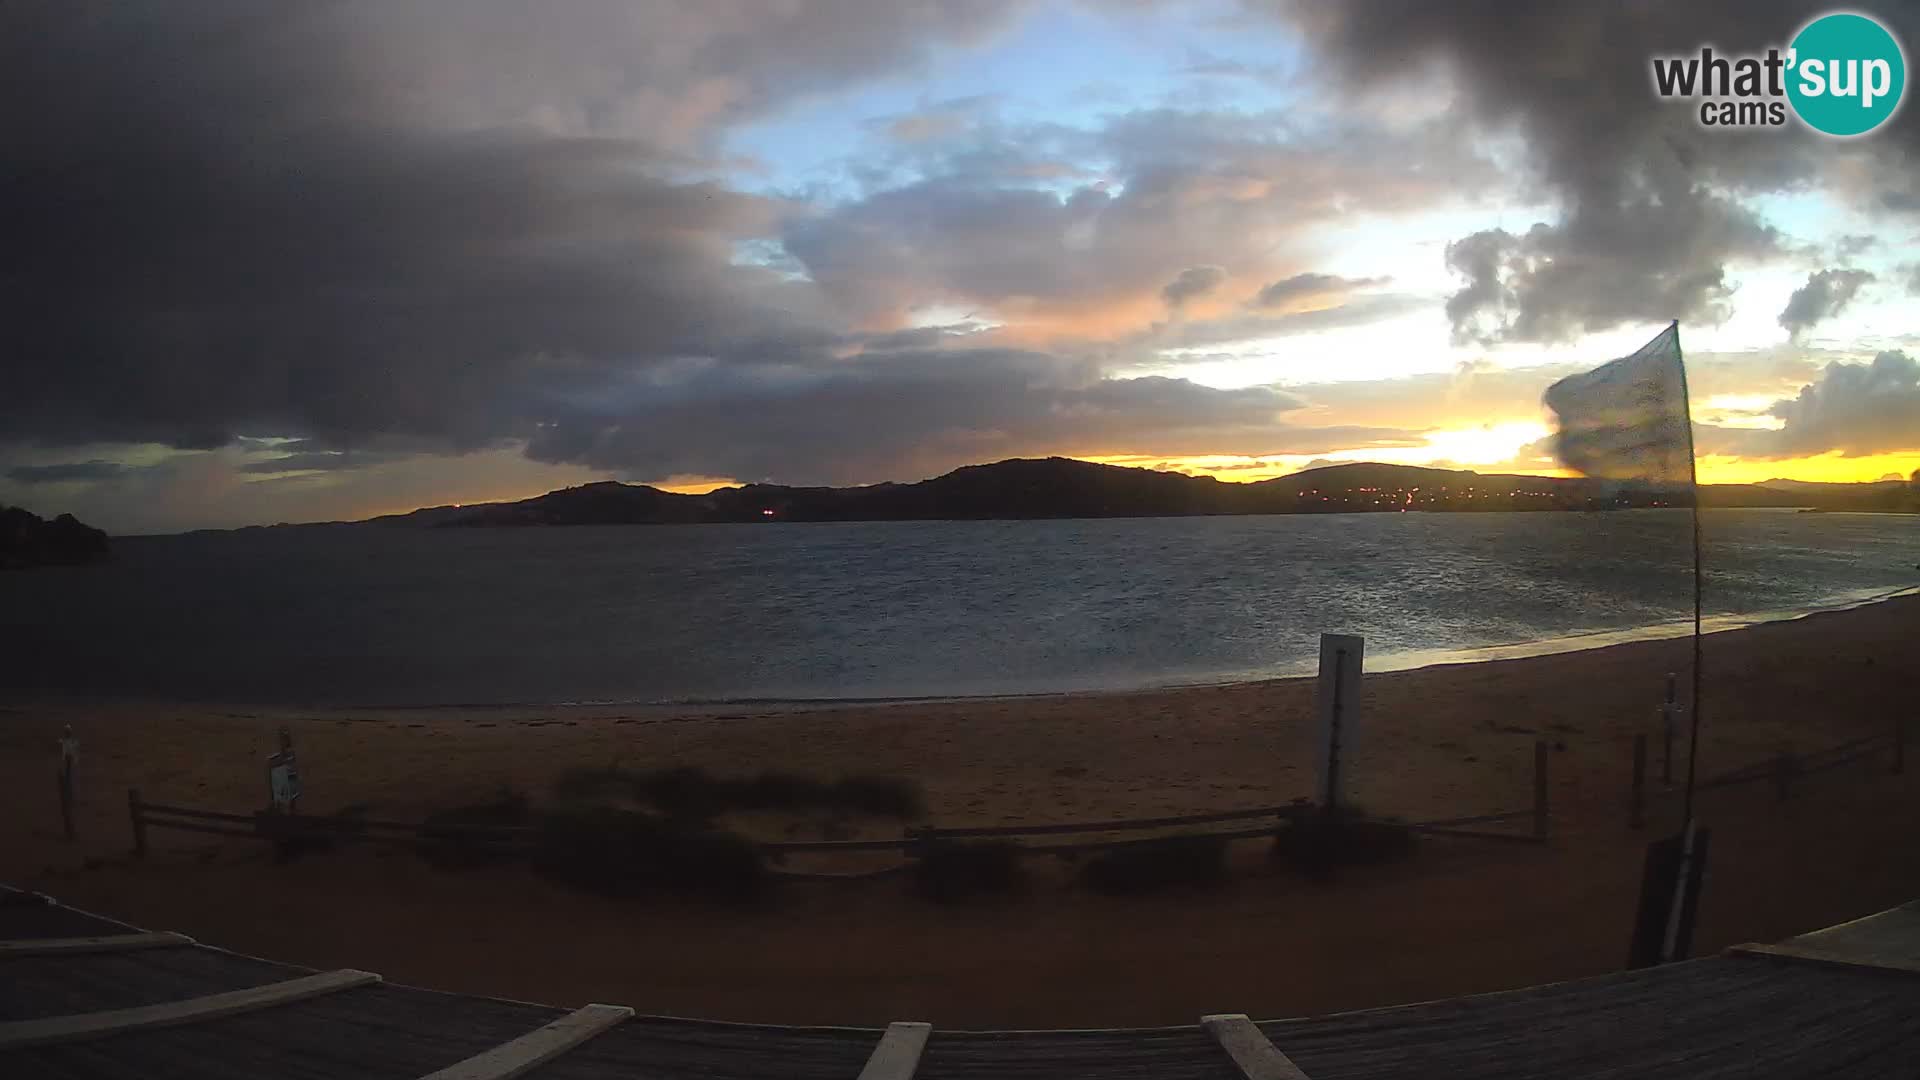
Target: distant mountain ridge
[(1028, 488), (26, 539)]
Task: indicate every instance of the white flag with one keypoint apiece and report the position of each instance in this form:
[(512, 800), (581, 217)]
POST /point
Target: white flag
[(1627, 420)]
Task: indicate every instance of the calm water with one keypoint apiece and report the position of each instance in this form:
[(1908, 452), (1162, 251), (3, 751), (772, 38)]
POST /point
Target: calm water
[(750, 611)]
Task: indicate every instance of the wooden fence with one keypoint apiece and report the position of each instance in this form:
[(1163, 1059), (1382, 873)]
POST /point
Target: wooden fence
[(267, 825), (1784, 770)]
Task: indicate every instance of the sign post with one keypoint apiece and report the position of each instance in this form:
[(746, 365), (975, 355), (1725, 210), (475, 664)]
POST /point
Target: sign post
[(69, 757), (283, 777), (1669, 717), (1337, 700), (1669, 897)]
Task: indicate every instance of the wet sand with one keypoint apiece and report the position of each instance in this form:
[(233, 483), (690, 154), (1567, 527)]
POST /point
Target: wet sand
[(1464, 916)]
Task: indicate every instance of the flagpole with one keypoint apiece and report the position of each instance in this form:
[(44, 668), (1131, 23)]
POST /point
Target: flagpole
[(1689, 835), (1693, 469)]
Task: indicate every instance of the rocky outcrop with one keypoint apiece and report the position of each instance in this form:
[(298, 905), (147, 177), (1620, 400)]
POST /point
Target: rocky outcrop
[(28, 540)]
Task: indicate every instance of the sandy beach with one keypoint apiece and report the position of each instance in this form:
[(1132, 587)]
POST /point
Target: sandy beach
[(1462, 917)]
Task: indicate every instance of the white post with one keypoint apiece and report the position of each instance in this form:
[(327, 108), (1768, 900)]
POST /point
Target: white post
[(1337, 700), (1669, 720)]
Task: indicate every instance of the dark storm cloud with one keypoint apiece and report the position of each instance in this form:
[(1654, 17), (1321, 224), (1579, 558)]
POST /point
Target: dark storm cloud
[(1191, 282), (918, 414), (1650, 217), (67, 472), (356, 221), (1854, 408), (671, 75), (1826, 294)]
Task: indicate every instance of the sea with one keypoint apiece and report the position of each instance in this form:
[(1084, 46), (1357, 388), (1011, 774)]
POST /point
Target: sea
[(789, 611)]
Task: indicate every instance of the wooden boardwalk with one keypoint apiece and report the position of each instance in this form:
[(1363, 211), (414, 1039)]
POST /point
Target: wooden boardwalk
[(1849, 1007)]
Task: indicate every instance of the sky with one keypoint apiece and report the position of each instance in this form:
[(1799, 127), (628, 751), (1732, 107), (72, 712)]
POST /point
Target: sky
[(335, 260)]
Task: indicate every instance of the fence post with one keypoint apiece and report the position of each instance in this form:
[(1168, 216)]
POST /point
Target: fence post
[(1899, 744), (1637, 814), (1667, 714), (1540, 789), (139, 822), (918, 841), (66, 799)]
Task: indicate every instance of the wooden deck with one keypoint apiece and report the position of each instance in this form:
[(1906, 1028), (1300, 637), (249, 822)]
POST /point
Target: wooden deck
[(1852, 1010)]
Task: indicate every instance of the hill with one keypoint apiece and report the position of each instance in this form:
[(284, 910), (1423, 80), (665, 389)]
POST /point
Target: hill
[(28, 540), (1027, 488)]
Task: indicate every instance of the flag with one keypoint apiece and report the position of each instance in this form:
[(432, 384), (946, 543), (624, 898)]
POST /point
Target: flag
[(1627, 419)]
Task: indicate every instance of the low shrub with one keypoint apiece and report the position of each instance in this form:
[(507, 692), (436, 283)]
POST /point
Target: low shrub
[(626, 853), (948, 872), (685, 791), (1152, 865), (879, 796), (693, 792), (591, 783), (1318, 840), (779, 791), (449, 838)]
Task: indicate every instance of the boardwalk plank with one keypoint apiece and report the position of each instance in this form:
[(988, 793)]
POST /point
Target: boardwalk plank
[(98, 943), (536, 1048), (897, 1055), (58, 1029), (1815, 954), (1252, 1053)]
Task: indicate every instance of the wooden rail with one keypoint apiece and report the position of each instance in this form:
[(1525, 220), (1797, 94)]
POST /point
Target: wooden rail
[(274, 826), (1783, 770), (980, 832)]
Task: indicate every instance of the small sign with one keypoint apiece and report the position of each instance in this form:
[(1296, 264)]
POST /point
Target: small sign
[(283, 776), (69, 757), (1337, 700), (1670, 882)]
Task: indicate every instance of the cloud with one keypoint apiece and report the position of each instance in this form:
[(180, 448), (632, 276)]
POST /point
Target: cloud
[(1308, 285), (68, 472), (939, 120), (1191, 282), (1853, 244), (1854, 408), (1179, 190), (670, 77), (1826, 294), (914, 414), (439, 222), (1647, 215), (1254, 324), (1653, 256), (318, 461), (1477, 392), (366, 244)]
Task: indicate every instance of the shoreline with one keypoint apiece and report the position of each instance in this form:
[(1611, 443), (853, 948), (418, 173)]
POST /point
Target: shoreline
[(1437, 742), (1384, 663)]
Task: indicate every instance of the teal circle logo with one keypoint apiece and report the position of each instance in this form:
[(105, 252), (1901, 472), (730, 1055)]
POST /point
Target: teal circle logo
[(1846, 74)]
